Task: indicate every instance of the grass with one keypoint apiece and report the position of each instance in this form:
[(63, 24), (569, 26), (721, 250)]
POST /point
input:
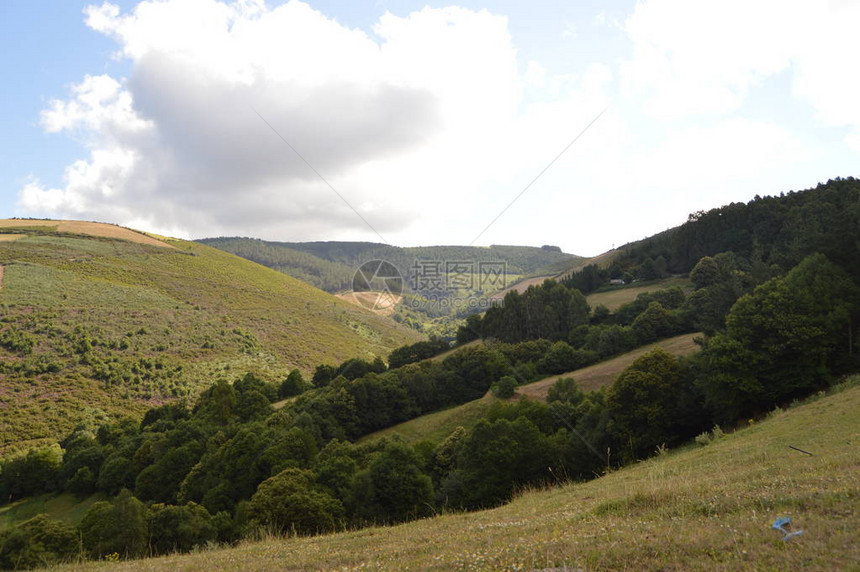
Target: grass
[(438, 425), (65, 507), (97, 229), (604, 373), (95, 327), (618, 296), (697, 508), (452, 351)]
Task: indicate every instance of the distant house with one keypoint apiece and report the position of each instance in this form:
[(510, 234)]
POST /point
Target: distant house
[(616, 282)]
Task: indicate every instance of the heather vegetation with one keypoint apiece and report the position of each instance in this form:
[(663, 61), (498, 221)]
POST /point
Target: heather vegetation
[(779, 325), (96, 327)]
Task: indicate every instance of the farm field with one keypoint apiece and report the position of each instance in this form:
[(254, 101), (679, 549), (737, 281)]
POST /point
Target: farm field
[(697, 508)]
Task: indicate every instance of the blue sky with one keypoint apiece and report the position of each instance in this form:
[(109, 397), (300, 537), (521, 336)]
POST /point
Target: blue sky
[(428, 118)]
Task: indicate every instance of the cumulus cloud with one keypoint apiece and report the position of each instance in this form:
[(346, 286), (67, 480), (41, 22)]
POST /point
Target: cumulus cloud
[(180, 143), (429, 125)]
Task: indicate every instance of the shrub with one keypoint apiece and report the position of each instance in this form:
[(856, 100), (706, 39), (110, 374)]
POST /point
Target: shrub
[(504, 388)]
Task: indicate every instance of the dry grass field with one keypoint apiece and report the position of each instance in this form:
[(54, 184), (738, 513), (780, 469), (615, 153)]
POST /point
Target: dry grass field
[(97, 229)]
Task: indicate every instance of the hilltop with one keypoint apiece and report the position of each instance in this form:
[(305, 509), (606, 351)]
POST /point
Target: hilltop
[(700, 508), (440, 284), (98, 321)]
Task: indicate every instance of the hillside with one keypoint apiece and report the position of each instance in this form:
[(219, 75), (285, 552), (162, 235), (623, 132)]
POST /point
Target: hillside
[(100, 321), (438, 425), (698, 508)]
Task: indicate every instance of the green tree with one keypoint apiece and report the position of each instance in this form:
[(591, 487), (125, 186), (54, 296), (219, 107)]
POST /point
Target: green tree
[(179, 528), (499, 457), (118, 527), (291, 502), (293, 385), (790, 331), (566, 390), (393, 488), (505, 387), (654, 323), (37, 543), (643, 403)]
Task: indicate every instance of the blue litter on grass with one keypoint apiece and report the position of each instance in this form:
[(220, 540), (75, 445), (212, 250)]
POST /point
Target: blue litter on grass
[(783, 524)]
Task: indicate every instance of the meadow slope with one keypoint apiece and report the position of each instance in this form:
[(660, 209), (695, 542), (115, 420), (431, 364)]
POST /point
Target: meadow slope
[(699, 508), (99, 321)]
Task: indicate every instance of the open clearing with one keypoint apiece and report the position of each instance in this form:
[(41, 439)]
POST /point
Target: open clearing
[(604, 373), (614, 299), (438, 425), (10, 237), (97, 229), (697, 508)]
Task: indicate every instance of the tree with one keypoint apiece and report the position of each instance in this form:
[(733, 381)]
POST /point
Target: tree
[(643, 403), (393, 488), (499, 457), (118, 527), (791, 331), (291, 502), (37, 543), (562, 358), (179, 528), (654, 323), (566, 390), (705, 273), (293, 385), (505, 387)]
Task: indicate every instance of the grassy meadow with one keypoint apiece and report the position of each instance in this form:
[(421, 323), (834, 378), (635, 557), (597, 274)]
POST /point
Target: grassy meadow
[(696, 508), (113, 321), (615, 297)]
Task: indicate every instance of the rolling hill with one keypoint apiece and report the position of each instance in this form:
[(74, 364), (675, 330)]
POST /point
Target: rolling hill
[(698, 508), (439, 424), (97, 320)]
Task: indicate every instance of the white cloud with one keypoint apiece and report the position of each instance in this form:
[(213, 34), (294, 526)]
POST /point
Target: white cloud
[(376, 119), (429, 125), (696, 56)]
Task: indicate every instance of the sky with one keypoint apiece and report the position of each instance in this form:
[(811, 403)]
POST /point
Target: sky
[(581, 124)]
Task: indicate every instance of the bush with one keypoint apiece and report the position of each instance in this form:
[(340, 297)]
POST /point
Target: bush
[(37, 543), (504, 388), (291, 502)]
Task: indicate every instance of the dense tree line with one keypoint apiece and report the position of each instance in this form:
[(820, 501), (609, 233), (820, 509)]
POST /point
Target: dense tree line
[(772, 231)]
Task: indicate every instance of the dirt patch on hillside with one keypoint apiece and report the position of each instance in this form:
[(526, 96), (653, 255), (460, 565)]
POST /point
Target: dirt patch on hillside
[(98, 229), (382, 303), (10, 237)]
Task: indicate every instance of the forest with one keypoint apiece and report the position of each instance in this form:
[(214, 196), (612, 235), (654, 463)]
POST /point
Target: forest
[(776, 295)]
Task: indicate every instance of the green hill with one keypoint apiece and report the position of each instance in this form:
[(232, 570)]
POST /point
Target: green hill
[(331, 265), (98, 321), (439, 424), (699, 508)]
